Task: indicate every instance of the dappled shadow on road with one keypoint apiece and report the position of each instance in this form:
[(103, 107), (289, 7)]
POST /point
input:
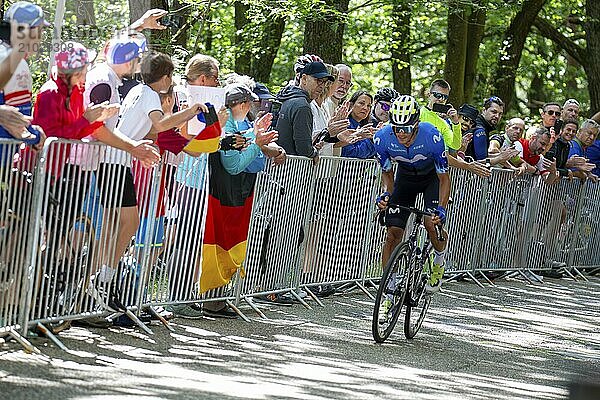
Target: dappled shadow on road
[(513, 341)]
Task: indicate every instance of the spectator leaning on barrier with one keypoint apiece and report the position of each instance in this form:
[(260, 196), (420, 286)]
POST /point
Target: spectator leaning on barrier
[(593, 155), (59, 107), (381, 107), (295, 122), (321, 116), (341, 87), (559, 151), (586, 136), (493, 109), (27, 24), (141, 113), (360, 110), (513, 131), (232, 178), (532, 155)]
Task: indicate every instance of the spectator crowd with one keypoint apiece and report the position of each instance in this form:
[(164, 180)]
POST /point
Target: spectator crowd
[(125, 96)]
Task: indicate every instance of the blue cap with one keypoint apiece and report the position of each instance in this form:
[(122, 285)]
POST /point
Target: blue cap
[(26, 13), (262, 92), (121, 51)]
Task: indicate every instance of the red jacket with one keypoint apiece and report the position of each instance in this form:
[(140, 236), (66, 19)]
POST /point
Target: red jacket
[(50, 112)]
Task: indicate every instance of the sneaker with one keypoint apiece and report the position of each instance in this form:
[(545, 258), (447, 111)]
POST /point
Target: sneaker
[(186, 311), (98, 291), (93, 322), (551, 273), (275, 298), (384, 309), (224, 312), (323, 290), (435, 279)]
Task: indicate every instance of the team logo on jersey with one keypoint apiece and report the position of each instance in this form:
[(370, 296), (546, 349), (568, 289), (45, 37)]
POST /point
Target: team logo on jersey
[(377, 140), (437, 138)]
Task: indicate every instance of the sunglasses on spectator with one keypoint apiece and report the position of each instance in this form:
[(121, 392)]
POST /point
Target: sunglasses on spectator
[(385, 106), (440, 96), (552, 112), (468, 120)]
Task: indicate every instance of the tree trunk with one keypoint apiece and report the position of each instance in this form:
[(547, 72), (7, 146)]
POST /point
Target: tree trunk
[(475, 31), (242, 39), (271, 40), (84, 10), (456, 51), (592, 64), (400, 46), (324, 30), (512, 48), (185, 22), (137, 8)]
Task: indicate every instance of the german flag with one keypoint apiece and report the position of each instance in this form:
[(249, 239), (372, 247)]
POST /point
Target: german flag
[(227, 223), (207, 141)]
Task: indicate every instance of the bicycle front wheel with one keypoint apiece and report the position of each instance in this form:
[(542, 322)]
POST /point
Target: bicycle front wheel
[(417, 300), (391, 293)]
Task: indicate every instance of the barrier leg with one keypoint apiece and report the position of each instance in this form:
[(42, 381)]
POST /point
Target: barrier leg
[(237, 310), (139, 323), (364, 290), (487, 279), (160, 318), (256, 309), (48, 333), (470, 275), (29, 348), (520, 272), (578, 272), (312, 295), (297, 296), (566, 271)]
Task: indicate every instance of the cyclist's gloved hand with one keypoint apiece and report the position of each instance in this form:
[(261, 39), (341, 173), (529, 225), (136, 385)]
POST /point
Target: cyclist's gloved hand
[(385, 196), (441, 212)]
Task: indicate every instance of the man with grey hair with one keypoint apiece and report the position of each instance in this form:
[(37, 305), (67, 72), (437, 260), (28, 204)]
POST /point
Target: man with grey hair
[(585, 138), (342, 87), (570, 110)]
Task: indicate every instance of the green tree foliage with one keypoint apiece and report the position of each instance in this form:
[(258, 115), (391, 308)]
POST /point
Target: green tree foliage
[(547, 71)]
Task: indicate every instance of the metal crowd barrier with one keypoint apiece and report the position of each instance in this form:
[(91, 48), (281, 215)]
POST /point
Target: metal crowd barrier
[(340, 218), (310, 225), (585, 254), (16, 195), (277, 234)]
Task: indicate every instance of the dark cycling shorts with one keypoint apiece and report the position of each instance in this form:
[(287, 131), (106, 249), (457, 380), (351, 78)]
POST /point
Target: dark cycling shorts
[(114, 179), (406, 189)]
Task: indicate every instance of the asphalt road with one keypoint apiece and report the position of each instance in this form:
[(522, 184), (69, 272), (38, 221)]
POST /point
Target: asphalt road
[(513, 341)]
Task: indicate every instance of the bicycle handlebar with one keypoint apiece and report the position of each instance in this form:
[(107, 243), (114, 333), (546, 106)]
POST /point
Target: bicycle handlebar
[(416, 211)]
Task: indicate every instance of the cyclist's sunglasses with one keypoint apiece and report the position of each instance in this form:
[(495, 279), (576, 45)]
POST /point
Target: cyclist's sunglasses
[(440, 96), (402, 129)]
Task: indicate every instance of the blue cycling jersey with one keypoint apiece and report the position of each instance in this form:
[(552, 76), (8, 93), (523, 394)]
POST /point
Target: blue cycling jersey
[(425, 155)]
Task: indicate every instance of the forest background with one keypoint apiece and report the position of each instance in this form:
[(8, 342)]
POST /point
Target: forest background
[(526, 51)]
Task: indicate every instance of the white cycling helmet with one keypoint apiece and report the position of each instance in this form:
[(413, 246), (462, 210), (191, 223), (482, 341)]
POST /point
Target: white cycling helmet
[(404, 111)]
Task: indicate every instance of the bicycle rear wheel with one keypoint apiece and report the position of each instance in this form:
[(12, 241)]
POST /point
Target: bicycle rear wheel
[(417, 300), (392, 288)]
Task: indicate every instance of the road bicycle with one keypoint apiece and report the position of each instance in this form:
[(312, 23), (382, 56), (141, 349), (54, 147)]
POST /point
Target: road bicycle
[(403, 282)]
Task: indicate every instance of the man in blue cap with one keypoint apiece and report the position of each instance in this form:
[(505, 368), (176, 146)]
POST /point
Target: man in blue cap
[(295, 122)]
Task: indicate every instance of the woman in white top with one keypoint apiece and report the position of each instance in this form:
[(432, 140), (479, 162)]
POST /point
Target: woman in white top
[(321, 116)]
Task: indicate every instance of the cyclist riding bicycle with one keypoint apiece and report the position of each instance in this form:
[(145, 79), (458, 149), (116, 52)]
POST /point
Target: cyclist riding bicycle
[(422, 167)]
